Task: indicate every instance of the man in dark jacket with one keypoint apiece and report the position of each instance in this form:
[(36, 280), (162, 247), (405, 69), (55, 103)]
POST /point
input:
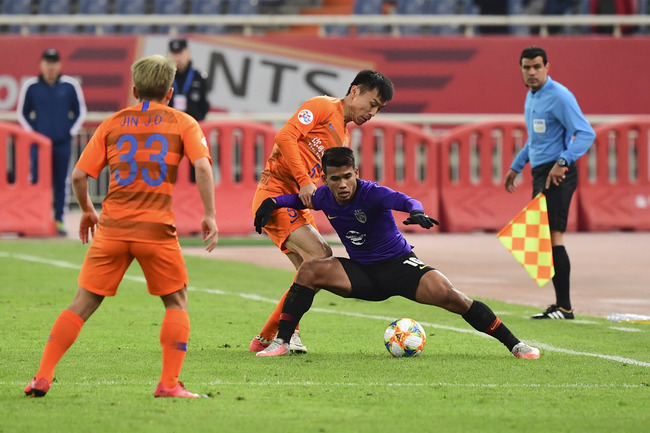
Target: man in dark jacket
[(53, 104), (190, 87)]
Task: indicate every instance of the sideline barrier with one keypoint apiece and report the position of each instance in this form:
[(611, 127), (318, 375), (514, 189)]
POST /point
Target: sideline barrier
[(239, 150), (25, 207), (399, 156), (474, 160), (614, 180)]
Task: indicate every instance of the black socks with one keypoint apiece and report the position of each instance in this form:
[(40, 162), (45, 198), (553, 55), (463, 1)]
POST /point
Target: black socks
[(297, 303), (483, 319), (561, 278)]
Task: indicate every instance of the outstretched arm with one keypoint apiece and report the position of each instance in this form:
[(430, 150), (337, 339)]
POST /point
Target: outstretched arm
[(265, 211), (205, 183), (418, 217)]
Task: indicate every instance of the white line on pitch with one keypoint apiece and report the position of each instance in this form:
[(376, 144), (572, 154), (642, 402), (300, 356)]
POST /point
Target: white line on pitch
[(258, 298)]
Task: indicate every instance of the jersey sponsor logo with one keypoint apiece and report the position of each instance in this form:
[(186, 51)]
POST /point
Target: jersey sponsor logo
[(305, 117), (361, 216), (355, 237)]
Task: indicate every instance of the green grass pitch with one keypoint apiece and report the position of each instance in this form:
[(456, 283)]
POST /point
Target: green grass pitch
[(593, 375)]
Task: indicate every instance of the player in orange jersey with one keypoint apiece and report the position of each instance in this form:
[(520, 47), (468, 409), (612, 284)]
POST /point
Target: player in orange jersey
[(142, 145), (294, 167)]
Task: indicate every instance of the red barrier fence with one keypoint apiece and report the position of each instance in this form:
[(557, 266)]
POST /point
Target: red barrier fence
[(239, 151), (458, 178), (25, 207), (614, 180), (399, 156), (474, 160)]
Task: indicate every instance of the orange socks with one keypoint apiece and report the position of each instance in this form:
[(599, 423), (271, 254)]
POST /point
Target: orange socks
[(64, 332), (174, 335), (271, 326)]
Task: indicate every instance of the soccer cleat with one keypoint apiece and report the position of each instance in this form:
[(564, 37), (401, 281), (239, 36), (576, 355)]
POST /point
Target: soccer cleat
[(259, 343), (60, 229), (37, 388), (295, 345), (554, 312), (277, 348), (524, 351), (177, 391)]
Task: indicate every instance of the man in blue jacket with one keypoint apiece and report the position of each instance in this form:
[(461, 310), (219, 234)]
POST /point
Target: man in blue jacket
[(53, 104), (381, 264), (558, 134)]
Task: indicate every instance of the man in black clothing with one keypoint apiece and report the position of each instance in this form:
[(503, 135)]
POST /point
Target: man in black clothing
[(190, 87)]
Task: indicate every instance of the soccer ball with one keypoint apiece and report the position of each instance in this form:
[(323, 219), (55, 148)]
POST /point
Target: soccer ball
[(405, 337)]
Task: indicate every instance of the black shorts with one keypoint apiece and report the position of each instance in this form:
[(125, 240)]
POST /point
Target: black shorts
[(558, 198), (381, 280)]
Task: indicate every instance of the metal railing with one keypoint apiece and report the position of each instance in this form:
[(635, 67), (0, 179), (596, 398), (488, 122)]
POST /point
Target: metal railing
[(254, 24)]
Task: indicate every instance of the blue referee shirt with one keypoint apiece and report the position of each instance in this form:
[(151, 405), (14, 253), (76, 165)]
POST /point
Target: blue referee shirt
[(556, 127), (365, 224)]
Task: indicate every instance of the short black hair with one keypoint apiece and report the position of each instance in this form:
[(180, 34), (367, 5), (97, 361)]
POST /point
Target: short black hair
[(368, 80), (532, 52), (337, 157)]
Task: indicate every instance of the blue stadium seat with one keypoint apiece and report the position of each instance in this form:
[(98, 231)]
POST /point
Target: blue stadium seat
[(643, 9), (132, 7), (95, 7), (56, 7), (410, 7), (516, 7), (17, 7), (450, 7), (244, 7), (370, 7), (207, 7), (169, 7)]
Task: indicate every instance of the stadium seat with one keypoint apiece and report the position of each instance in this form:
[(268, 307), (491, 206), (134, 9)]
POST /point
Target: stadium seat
[(207, 7), (516, 7), (18, 7), (243, 7), (169, 7), (410, 7), (644, 9), (370, 7), (95, 7), (56, 7), (132, 7), (450, 7)]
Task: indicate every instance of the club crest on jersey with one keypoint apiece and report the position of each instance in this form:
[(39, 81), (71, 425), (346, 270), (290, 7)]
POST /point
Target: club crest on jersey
[(305, 117), (361, 216)]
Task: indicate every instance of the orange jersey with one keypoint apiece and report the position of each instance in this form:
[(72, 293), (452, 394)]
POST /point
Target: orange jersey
[(142, 146), (296, 157)]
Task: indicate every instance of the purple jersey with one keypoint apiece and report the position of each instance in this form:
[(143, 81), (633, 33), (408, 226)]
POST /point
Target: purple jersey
[(365, 224)]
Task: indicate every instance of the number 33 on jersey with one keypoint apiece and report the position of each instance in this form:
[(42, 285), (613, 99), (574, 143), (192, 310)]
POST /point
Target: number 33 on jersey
[(142, 146)]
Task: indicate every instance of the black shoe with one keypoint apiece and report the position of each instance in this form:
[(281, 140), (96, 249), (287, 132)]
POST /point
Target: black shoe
[(554, 312)]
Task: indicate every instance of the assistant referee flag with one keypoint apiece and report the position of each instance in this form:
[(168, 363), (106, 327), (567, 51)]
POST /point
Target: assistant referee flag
[(528, 238)]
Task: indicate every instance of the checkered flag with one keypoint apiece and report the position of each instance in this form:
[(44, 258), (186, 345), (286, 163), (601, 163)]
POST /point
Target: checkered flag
[(528, 238)]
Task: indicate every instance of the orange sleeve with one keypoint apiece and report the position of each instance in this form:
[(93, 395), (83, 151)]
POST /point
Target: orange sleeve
[(194, 141), (309, 115), (93, 158)]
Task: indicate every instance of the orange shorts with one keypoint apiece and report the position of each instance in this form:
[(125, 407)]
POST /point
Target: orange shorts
[(107, 260), (283, 221)]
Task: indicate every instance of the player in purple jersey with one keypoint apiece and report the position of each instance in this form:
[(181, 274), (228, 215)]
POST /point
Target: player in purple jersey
[(381, 262)]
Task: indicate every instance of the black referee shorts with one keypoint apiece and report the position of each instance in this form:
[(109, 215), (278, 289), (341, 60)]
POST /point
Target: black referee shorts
[(379, 281), (558, 197)]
